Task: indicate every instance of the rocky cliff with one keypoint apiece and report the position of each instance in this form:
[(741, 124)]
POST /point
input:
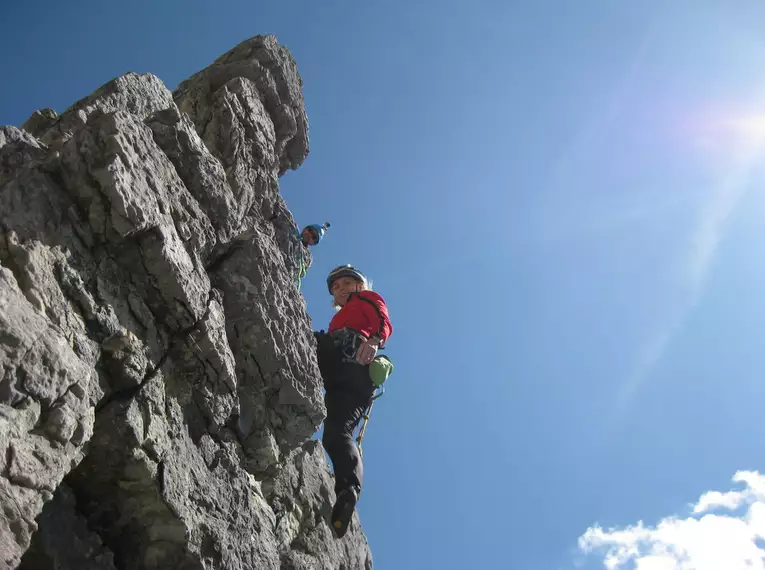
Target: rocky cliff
[(159, 386)]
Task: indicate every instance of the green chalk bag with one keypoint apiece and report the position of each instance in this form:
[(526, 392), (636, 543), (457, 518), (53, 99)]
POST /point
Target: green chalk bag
[(379, 370)]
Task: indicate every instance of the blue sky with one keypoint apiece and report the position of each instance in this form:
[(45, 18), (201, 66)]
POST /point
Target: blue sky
[(562, 204)]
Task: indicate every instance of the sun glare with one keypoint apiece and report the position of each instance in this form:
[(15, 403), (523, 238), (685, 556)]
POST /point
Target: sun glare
[(728, 135), (750, 129)]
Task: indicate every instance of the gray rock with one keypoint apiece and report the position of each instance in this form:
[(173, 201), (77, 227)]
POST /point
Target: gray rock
[(45, 415), (273, 71), (139, 95), (279, 382), (17, 149), (200, 171), (158, 378), (77, 548), (40, 121), (302, 495)]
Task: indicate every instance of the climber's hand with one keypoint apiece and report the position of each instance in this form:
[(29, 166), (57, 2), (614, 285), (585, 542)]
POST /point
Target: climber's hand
[(367, 351)]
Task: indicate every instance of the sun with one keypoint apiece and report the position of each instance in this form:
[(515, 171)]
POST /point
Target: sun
[(729, 134), (749, 129)]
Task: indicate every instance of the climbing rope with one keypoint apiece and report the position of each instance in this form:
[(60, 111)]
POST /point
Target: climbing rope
[(365, 417), (299, 251), (302, 270), (298, 258)]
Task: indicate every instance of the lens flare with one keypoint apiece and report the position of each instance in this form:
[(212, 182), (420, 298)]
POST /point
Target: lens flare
[(750, 130), (730, 134)]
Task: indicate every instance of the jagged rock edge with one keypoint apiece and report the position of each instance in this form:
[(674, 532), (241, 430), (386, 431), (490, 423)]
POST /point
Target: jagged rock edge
[(152, 374)]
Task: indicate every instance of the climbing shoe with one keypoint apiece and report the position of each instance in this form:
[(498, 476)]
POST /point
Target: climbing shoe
[(342, 512)]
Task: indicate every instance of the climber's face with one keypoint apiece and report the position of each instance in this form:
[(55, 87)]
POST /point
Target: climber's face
[(343, 287), (310, 237)]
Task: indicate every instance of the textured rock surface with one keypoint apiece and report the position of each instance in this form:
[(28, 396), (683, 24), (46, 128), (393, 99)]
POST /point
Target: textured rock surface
[(159, 385)]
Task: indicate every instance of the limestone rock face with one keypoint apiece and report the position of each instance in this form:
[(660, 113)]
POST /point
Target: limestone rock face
[(158, 384)]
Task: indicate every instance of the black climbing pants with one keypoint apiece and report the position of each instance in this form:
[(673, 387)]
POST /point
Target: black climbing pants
[(349, 391)]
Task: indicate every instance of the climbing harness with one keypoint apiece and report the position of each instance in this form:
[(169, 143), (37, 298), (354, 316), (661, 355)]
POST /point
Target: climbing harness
[(348, 341)]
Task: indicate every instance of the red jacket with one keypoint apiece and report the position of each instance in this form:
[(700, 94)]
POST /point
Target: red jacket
[(365, 312)]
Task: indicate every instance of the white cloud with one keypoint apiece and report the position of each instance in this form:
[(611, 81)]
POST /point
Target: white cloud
[(732, 500), (702, 541)]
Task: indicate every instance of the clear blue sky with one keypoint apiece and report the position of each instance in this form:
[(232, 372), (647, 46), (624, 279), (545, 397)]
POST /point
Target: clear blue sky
[(562, 203)]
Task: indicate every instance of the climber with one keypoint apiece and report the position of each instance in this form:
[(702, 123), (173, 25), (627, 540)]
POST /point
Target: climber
[(359, 328), (312, 234), (293, 241)]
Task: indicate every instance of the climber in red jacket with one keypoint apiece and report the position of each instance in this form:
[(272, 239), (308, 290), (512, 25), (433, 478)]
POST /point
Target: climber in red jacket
[(360, 327)]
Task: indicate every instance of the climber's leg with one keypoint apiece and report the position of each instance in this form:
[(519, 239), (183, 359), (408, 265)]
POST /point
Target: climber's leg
[(344, 410), (328, 357), (349, 390), (342, 511)]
